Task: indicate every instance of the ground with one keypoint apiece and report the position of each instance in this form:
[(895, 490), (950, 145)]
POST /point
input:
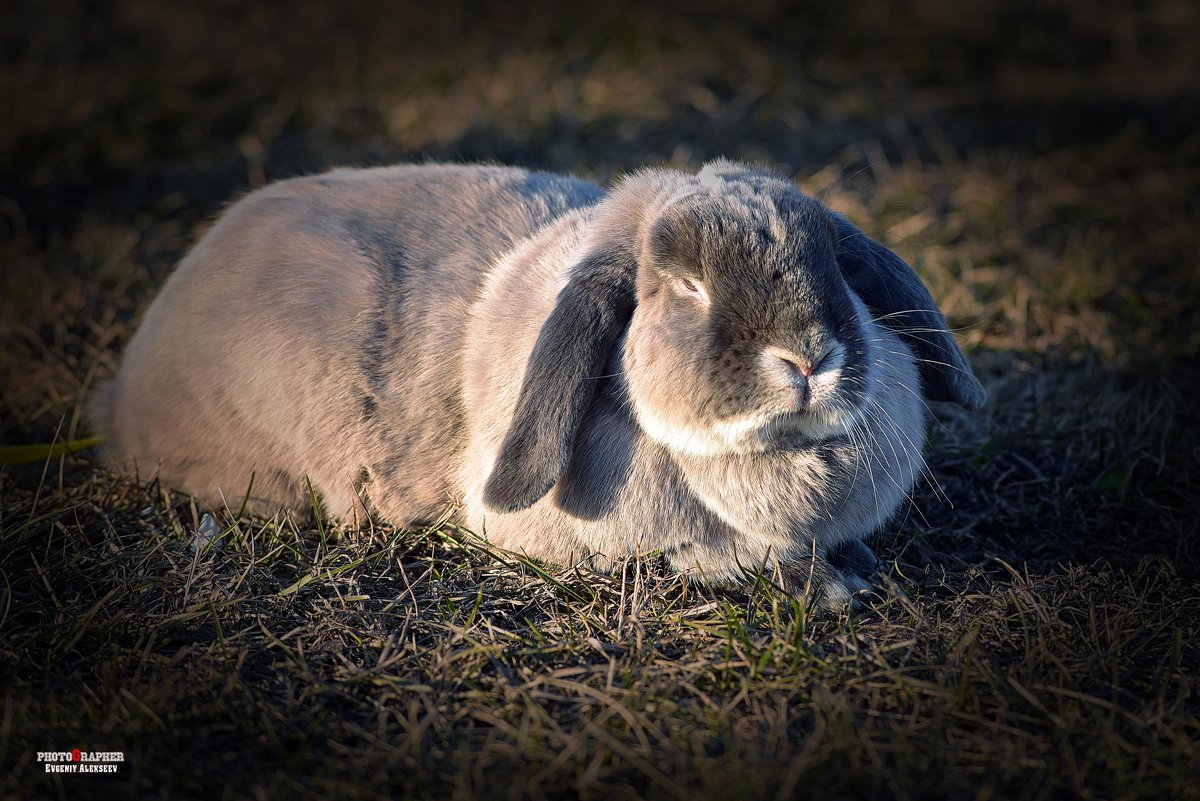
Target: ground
[(1037, 162)]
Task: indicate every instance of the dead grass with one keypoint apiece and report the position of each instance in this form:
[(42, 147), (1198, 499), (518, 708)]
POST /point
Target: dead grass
[(1039, 637)]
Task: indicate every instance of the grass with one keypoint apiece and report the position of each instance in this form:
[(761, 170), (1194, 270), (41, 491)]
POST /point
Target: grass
[(1038, 635)]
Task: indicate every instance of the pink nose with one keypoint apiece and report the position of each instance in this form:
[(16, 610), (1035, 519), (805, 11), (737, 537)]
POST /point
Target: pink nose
[(797, 373)]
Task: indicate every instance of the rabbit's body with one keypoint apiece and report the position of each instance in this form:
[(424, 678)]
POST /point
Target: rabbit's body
[(267, 352), (679, 364)]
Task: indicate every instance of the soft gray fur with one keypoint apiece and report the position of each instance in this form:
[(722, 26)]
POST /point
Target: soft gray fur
[(712, 365)]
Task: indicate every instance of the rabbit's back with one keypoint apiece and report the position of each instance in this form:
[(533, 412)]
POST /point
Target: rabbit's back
[(312, 336)]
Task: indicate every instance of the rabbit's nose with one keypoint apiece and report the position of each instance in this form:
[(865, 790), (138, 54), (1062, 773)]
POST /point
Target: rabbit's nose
[(798, 372), (793, 372)]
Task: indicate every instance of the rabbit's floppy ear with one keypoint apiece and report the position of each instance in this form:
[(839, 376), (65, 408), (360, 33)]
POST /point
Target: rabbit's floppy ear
[(900, 301), (561, 377)]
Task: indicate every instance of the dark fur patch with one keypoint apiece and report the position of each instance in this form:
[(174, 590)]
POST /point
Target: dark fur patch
[(896, 295), (368, 408), (386, 324)]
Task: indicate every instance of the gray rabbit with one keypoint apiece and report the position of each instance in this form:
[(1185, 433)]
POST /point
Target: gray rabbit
[(713, 365)]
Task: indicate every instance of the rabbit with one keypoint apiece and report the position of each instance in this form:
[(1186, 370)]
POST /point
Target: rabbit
[(711, 365)]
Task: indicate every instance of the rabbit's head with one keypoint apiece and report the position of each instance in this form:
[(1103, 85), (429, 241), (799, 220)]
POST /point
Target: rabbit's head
[(744, 306), (744, 332)]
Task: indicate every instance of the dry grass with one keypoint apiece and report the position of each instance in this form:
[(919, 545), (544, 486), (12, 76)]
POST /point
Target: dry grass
[(1039, 638)]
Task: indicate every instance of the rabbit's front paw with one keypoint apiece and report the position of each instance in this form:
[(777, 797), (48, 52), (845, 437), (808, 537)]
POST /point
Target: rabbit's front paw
[(839, 578)]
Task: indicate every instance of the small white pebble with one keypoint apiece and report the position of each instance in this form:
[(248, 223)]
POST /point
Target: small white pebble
[(206, 534)]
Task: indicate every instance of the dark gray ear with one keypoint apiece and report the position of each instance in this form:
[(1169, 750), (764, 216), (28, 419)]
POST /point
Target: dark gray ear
[(564, 370), (900, 301)]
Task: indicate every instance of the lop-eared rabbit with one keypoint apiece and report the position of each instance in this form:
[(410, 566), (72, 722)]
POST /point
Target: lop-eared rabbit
[(713, 365)]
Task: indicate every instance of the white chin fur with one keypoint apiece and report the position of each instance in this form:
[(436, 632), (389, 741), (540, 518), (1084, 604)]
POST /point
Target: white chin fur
[(749, 434)]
